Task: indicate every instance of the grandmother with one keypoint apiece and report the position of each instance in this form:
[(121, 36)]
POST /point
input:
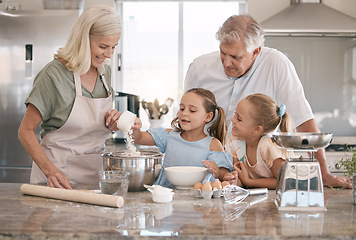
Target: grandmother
[(72, 97)]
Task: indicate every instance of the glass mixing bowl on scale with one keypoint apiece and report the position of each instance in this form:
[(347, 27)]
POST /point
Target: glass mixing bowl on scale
[(299, 183)]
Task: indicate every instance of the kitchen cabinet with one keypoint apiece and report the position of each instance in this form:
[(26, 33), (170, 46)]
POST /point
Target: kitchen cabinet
[(187, 217)]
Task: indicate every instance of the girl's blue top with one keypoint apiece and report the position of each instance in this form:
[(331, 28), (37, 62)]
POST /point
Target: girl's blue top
[(179, 152)]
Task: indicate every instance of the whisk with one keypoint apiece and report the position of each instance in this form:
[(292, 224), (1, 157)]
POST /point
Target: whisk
[(233, 211), (235, 194)]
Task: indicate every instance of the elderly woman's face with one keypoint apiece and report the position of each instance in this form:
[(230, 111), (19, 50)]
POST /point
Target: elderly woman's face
[(102, 48), (235, 59)]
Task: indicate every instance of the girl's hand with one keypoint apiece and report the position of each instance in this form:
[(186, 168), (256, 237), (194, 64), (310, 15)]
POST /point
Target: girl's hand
[(141, 138), (231, 177), (111, 118), (137, 124), (240, 168), (212, 168), (237, 165)]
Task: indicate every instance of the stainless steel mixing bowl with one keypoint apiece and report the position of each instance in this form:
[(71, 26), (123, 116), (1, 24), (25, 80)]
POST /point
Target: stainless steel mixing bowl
[(143, 169), (302, 140)]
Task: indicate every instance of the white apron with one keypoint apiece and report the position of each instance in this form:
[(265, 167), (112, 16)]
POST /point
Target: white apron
[(75, 147)]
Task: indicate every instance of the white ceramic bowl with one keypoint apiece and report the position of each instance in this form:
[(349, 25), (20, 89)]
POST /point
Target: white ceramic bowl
[(184, 177)]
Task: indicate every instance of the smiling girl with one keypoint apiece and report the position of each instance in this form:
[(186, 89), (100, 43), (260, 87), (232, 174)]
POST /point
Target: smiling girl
[(256, 158), (186, 144)]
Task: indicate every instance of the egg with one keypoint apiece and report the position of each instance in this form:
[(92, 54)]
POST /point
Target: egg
[(207, 186), (225, 183), (216, 184), (198, 185)]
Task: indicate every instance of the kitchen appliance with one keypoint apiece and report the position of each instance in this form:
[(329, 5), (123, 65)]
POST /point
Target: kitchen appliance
[(28, 40), (299, 183), (125, 102), (143, 169), (308, 17), (340, 148)]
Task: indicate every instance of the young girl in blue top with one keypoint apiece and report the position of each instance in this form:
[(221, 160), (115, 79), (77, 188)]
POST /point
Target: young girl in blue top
[(187, 144)]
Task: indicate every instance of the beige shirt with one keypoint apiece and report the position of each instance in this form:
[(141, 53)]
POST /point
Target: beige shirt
[(53, 94), (267, 152)]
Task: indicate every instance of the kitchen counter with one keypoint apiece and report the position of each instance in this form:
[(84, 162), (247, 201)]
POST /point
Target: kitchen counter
[(187, 217)]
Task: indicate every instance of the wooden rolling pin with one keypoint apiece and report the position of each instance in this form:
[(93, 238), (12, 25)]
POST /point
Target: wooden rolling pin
[(73, 195)]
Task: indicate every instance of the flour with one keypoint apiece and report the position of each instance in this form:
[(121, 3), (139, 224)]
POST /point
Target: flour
[(131, 149), (125, 123)]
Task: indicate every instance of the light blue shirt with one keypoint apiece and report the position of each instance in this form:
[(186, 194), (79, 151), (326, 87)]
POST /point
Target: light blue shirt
[(179, 152)]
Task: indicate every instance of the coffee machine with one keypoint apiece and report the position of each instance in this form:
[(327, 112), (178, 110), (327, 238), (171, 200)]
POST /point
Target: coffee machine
[(125, 102), (299, 183)]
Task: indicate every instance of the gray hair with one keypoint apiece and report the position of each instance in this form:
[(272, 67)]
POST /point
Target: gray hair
[(96, 21), (242, 28)]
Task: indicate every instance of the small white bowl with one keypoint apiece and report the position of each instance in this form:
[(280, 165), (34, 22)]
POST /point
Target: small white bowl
[(184, 177), (162, 194)]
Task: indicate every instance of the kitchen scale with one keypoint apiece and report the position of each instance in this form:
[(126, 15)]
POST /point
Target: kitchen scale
[(299, 183)]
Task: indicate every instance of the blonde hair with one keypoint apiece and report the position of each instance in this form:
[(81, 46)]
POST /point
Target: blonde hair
[(218, 129), (96, 21), (267, 113), (242, 28)]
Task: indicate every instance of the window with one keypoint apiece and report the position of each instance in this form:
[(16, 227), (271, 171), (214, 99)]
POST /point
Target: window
[(161, 38)]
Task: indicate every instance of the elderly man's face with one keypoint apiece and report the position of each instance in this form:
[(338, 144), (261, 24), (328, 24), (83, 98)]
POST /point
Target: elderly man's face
[(235, 59)]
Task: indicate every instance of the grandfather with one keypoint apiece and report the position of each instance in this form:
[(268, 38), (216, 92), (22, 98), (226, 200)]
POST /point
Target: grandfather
[(243, 67)]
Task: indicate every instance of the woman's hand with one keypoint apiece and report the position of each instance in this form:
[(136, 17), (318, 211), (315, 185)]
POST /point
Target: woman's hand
[(26, 134), (58, 180), (111, 118)]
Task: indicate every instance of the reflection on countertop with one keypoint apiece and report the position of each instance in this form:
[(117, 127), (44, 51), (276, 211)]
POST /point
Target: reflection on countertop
[(186, 217)]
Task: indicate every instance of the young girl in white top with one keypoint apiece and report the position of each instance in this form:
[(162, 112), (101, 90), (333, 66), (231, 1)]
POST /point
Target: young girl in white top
[(256, 158), (186, 144)]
